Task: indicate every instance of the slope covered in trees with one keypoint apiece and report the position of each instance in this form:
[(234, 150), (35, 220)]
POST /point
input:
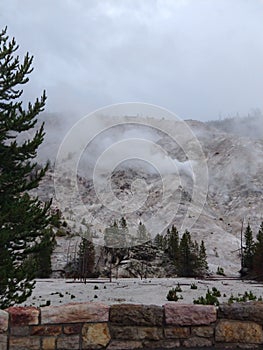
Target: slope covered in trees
[(188, 256), (252, 259)]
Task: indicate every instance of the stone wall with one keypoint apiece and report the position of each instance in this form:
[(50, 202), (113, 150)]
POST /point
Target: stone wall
[(129, 326)]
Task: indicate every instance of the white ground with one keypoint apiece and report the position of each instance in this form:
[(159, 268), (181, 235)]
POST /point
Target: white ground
[(149, 291)]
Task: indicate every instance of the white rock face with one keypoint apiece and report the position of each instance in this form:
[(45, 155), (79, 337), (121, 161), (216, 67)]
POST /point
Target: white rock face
[(234, 192)]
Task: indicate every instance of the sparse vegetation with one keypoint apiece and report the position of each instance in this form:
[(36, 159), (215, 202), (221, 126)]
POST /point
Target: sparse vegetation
[(47, 303), (220, 271), (211, 298), (216, 292), (247, 296), (61, 233), (172, 295), (178, 288)]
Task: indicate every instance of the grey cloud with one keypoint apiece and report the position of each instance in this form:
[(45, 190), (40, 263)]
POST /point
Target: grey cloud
[(197, 58)]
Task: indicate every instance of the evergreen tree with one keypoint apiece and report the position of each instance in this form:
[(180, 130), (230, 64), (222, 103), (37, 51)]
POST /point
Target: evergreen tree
[(195, 257), (115, 246), (43, 258), (142, 234), (86, 257), (159, 241), (24, 221), (249, 248), (258, 255), (114, 236), (123, 222), (188, 256), (202, 260), (124, 231), (166, 240), (173, 244), (185, 263)]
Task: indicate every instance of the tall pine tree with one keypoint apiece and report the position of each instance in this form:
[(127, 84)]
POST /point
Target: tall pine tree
[(187, 257), (173, 244), (142, 234), (202, 260), (249, 249), (24, 221), (192, 259), (86, 257)]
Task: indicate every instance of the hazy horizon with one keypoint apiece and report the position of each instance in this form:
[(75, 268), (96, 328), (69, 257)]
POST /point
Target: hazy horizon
[(199, 59)]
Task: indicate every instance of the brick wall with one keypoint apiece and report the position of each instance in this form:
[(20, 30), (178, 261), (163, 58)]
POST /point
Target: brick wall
[(129, 326)]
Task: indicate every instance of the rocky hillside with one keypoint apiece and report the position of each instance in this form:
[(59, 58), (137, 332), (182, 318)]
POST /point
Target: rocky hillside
[(210, 193)]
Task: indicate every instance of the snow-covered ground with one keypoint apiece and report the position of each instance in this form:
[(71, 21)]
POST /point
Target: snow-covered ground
[(148, 291)]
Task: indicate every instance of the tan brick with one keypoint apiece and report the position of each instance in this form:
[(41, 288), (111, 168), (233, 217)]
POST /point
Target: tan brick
[(235, 346), (203, 331), (95, 335), (24, 343), (135, 333), (68, 342), (162, 344), (177, 332), (3, 342), (46, 330), (20, 331), (49, 343), (73, 328), (124, 333), (238, 332), (124, 345), (196, 342), (150, 333)]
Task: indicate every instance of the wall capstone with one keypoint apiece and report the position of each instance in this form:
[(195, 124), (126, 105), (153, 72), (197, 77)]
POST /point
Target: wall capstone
[(3, 321), (136, 315), (252, 311), (75, 312), (189, 315), (23, 316)]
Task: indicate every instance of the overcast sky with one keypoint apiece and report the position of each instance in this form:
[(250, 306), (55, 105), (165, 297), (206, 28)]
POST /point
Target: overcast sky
[(197, 58)]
